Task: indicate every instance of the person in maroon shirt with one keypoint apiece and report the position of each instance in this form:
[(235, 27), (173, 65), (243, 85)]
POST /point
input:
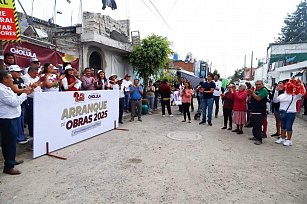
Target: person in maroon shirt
[(228, 99), (165, 92)]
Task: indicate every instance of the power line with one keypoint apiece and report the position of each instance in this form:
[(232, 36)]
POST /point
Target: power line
[(147, 7), (160, 14)]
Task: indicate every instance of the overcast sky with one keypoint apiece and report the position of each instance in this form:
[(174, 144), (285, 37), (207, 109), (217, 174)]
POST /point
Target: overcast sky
[(220, 31)]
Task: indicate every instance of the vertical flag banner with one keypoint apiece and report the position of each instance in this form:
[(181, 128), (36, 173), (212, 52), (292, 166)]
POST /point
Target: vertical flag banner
[(9, 30)]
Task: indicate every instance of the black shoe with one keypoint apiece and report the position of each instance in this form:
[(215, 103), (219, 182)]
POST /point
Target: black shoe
[(202, 122), (209, 123), (121, 122), (248, 125), (223, 128), (230, 128), (240, 132), (184, 121), (235, 130), (252, 138), (275, 135)]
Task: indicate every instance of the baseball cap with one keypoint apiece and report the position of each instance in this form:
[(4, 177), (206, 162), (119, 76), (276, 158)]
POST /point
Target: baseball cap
[(14, 68), (34, 59), (68, 67), (127, 75)]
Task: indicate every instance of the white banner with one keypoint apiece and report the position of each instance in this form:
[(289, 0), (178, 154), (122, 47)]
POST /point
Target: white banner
[(65, 118)]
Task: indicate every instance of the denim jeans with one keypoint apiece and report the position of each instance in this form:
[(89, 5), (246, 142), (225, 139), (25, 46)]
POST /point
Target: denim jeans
[(121, 109), (287, 123), (21, 135), (151, 100), (217, 104), (29, 109), (127, 101), (9, 132), (156, 101), (207, 103)]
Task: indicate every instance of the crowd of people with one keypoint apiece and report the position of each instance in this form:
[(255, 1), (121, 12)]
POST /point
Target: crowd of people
[(19, 85), (243, 106)]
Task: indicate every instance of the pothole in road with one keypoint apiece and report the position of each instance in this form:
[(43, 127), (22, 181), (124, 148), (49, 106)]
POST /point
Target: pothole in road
[(184, 136), (135, 161)]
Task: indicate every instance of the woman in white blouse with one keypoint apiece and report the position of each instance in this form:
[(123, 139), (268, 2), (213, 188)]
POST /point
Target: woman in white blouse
[(287, 102)]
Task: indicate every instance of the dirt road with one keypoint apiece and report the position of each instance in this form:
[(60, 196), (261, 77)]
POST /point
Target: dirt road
[(144, 165)]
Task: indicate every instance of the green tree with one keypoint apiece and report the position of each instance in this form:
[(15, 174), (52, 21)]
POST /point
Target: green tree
[(239, 74), (294, 29), (149, 58), (215, 72)]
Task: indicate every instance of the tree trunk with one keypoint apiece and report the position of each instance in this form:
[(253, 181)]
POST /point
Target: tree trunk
[(145, 83)]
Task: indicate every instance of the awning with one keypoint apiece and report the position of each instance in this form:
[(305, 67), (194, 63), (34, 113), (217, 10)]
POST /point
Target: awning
[(292, 67), (290, 57), (189, 76)]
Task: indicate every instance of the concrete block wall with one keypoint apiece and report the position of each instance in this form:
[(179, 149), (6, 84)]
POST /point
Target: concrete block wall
[(104, 25)]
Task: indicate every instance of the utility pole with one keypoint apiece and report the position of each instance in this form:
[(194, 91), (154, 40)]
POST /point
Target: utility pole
[(251, 73)]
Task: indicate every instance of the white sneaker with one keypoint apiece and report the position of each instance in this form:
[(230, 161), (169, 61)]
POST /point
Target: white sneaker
[(288, 143), (171, 115), (163, 115), (280, 141)]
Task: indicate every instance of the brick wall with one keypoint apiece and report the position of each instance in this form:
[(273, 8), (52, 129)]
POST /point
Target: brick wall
[(186, 66)]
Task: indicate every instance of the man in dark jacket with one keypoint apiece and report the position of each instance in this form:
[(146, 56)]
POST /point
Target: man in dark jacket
[(165, 92), (258, 101)]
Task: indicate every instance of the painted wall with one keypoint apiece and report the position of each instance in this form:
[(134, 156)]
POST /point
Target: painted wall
[(112, 62)]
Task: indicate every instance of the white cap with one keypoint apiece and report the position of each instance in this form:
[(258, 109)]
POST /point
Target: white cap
[(14, 68), (34, 59), (68, 67)]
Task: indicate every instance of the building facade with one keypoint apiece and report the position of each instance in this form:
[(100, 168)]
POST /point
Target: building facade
[(100, 42)]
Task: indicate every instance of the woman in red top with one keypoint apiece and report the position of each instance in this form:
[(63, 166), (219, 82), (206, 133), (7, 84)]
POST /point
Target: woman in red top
[(186, 95), (239, 108), (228, 99), (70, 82)]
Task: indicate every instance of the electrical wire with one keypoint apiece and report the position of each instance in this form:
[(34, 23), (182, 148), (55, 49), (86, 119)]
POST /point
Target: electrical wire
[(160, 14)]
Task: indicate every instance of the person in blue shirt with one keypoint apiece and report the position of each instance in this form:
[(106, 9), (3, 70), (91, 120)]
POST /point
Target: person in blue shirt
[(207, 88), (136, 92)]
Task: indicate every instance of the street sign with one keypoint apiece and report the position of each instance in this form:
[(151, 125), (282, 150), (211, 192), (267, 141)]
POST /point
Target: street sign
[(9, 30)]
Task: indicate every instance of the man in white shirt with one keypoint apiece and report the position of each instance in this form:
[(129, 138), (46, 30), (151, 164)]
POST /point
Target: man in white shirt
[(10, 112), (120, 87), (127, 84), (217, 93), (32, 80)]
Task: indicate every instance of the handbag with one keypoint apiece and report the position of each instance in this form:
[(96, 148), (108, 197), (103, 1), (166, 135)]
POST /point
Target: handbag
[(283, 113)]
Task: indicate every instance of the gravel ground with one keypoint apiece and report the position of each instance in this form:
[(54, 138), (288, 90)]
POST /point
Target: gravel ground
[(143, 165)]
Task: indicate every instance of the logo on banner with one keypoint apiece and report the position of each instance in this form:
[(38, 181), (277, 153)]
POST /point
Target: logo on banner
[(9, 29), (94, 96), (79, 97), (23, 51)]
